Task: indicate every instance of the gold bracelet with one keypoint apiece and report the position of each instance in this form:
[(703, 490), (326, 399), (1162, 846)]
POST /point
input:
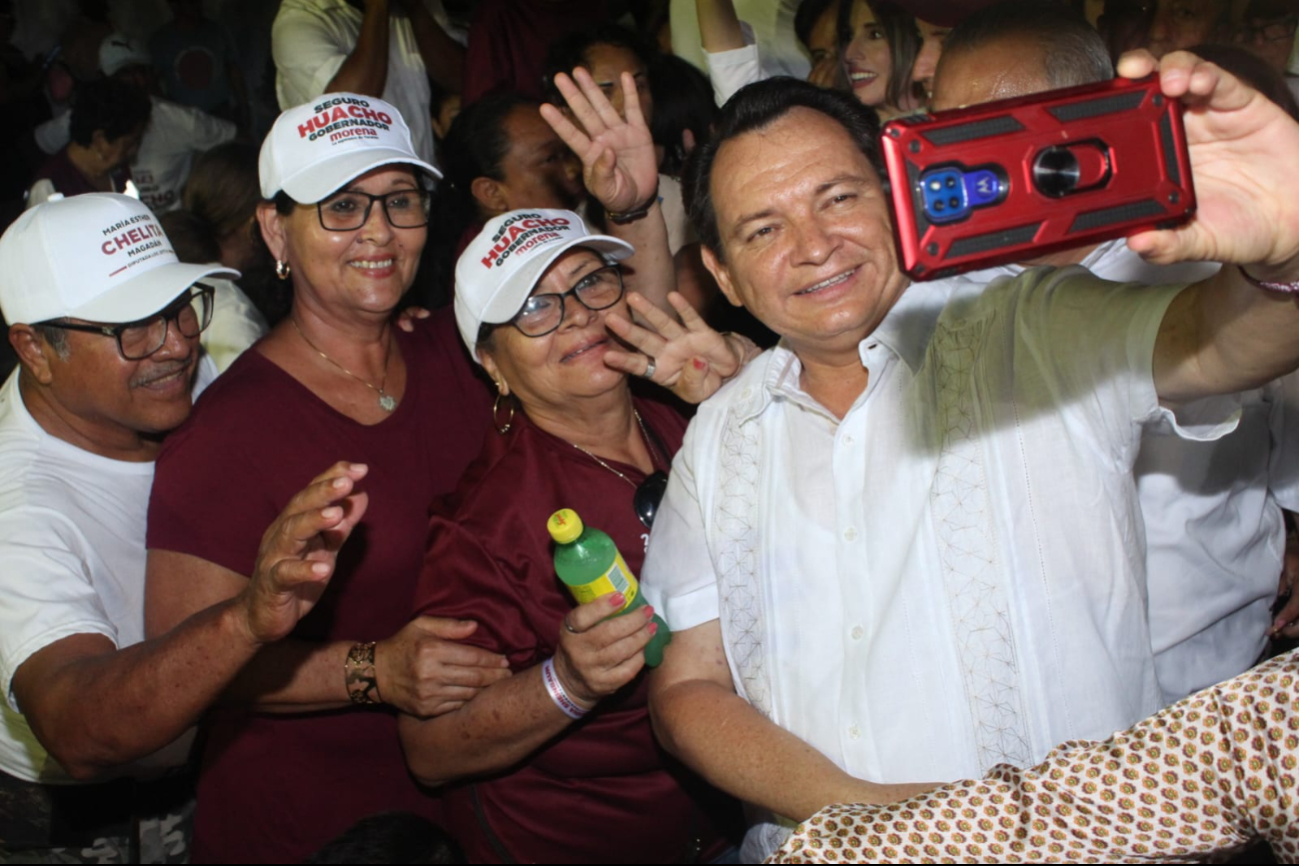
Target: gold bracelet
[(359, 675)]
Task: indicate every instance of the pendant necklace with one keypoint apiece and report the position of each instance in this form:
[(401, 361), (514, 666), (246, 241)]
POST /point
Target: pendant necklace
[(644, 433), (386, 401)]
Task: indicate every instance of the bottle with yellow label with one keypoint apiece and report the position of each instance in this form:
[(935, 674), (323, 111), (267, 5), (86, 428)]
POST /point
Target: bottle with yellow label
[(589, 564)]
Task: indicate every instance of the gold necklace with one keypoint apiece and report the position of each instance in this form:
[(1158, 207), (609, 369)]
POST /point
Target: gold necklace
[(644, 434), (386, 401)]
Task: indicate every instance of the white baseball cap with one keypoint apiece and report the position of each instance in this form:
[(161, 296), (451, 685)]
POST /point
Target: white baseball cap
[(501, 266), (315, 148), (101, 256), (118, 51)]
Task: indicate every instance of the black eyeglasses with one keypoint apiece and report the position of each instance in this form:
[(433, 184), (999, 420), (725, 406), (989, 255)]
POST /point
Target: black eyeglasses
[(192, 312), (348, 211), (1270, 31), (648, 495), (597, 290)]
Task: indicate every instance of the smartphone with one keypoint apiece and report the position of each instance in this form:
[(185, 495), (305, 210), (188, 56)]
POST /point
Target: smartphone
[(1013, 180)]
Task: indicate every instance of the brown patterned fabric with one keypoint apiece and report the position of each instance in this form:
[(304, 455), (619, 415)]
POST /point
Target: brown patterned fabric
[(1209, 774)]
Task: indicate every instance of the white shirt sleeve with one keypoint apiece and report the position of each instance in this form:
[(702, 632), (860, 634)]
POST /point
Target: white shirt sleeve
[(1094, 342), (678, 577), (46, 591), (236, 325), (309, 48), (732, 70), (1283, 465)]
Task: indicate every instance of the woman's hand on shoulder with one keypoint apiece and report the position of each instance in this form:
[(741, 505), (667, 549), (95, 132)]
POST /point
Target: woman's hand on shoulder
[(423, 670), (600, 653), (619, 163), (689, 358)]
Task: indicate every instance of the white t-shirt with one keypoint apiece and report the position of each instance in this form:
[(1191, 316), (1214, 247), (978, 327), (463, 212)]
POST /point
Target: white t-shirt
[(953, 575), (310, 41), (72, 561), (175, 135)]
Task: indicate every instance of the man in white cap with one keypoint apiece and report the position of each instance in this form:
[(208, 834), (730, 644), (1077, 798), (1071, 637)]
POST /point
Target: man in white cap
[(105, 322), (174, 136)]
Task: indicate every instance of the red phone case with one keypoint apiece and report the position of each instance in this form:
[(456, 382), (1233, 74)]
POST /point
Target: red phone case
[(1016, 179)]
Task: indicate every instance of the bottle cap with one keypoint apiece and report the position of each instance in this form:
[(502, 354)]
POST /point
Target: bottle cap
[(565, 526)]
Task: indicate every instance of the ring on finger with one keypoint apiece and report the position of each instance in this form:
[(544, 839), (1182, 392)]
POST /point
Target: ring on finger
[(650, 367), (568, 627)]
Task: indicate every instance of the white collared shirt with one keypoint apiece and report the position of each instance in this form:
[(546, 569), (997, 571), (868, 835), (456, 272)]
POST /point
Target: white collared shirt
[(952, 575)]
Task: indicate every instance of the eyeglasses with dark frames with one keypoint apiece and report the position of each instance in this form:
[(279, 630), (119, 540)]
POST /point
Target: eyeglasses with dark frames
[(137, 340), (349, 210), (596, 290)]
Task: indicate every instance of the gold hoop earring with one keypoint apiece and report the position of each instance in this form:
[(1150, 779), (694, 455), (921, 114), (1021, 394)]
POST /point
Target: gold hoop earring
[(282, 269), (509, 422)]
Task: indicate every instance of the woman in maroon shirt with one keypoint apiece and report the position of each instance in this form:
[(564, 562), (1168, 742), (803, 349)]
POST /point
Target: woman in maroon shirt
[(307, 741), (558, 762)]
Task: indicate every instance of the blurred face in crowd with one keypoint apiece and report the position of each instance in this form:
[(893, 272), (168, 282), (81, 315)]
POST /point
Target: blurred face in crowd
[(606, 63), (867, 58), (931, 49), (822, 46), (1179, 24), (805, 239), (1270, 39), (117, 152), (538, 170)]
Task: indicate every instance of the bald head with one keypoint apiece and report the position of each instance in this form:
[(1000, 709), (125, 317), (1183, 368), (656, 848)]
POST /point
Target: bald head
[(1017, 48)]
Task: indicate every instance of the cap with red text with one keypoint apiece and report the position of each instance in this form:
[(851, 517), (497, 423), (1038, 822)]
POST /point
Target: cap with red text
[(498, 270), (315, 148), (102, 257)]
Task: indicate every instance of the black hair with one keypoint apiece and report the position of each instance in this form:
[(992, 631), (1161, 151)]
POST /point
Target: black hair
[(756, 107), (805, 18), (900, 32), (683, 99), (1073, 52), (475, 146), (570, 52), (391, 837), (110, 106)]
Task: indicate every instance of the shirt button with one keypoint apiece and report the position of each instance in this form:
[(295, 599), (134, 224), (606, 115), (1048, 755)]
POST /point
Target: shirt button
[(746, 393), (850, 534), (854, 733), (857, 632), (847, 440)]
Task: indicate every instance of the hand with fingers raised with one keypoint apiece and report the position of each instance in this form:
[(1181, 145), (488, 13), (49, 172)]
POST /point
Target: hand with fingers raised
[(299, 551), (687, 357), (619, 164)]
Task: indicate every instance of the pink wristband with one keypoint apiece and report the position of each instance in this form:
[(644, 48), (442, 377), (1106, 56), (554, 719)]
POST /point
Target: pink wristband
[(556, 691), (1290, 288)]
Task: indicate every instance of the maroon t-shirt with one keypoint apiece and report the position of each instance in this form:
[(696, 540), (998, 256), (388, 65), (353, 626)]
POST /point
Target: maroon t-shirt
[(60, 171), (508, 40), (603, 791), (277, 787)]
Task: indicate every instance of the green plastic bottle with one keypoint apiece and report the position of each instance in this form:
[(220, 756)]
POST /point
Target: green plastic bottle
[(589, 564)]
